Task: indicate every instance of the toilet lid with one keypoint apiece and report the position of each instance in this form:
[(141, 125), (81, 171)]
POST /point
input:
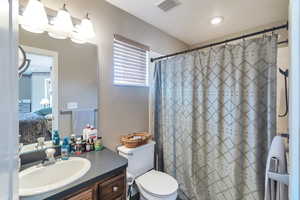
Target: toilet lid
[(158, 183)]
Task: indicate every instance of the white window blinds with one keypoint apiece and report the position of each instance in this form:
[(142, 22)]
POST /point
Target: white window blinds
[(130, 62)]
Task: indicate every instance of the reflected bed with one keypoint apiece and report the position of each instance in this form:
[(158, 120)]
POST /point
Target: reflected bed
[(33, 125)]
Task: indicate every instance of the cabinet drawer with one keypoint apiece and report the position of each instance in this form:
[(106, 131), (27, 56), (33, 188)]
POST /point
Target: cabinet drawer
[(113, 188), (86, 195)]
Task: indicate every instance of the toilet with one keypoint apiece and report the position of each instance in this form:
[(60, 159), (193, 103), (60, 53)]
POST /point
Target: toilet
[(152, 184)]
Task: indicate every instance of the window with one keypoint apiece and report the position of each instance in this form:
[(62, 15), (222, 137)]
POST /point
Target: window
[(130, 62)]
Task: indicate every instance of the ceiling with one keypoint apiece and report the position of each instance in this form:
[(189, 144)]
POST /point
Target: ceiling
[(190, 21)]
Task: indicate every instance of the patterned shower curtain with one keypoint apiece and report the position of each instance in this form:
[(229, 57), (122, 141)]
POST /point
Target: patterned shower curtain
[(215, 117)]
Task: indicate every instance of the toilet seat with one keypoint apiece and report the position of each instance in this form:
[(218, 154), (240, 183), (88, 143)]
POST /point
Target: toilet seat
[(158, 184), (145, 196)]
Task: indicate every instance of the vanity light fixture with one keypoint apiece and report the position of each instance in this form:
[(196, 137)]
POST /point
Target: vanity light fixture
[(216, 20), (77, 35), (83, 31), (34, 18), (87, 27), (62, 25)]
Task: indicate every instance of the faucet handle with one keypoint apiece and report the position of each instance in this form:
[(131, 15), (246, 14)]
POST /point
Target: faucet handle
[(50, 153), (41, 141), (20, 147), (50, 157)]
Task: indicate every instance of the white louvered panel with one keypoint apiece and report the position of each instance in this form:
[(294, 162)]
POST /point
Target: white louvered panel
[(130, 64), (127, 59), (125, 49), (128, 47), (130, 73), (129, 54)]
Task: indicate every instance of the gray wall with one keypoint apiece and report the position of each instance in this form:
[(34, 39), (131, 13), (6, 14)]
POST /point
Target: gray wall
[(77, 72), (25, 87), (283, 63), (122, 109)]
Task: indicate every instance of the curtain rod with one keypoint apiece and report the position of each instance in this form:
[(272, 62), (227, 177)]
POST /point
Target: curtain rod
[(284, 26)]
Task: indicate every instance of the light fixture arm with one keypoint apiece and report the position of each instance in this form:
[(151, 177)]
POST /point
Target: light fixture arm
[(25, 64), (87, 16), (64, 7)]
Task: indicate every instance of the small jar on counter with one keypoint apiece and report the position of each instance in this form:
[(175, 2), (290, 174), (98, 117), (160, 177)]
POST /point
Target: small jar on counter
[(72, 144), (87, 146), (91, 142), (78, 147), (98, 144)]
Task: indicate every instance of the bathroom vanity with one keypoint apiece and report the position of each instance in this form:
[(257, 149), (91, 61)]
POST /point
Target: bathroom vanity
[(105, 180)]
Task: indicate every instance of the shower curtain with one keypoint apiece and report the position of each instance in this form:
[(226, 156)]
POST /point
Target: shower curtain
[(215, 117)]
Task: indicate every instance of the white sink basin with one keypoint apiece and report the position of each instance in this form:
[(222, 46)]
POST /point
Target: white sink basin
[(39, 179)]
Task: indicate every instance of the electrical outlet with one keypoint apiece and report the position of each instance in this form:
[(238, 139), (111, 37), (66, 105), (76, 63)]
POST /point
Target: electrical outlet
[(72, 105)]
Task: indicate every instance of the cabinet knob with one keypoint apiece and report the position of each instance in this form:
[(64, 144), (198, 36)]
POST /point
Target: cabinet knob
[(115, 189)]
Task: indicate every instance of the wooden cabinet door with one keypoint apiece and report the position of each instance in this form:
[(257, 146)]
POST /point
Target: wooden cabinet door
[(113, 189), (84, 194), (120, 198)]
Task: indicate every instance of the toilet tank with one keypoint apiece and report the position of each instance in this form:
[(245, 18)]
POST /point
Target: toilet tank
[(140, 159)]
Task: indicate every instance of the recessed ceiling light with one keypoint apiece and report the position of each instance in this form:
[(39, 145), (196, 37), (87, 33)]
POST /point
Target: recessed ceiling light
[(216, 20)]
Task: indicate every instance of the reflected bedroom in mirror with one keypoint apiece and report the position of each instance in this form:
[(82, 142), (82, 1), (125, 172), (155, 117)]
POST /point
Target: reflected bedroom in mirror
[(55, 97)]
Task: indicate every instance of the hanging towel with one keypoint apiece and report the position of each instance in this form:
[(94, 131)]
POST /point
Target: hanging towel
[(80, 118), (276, 162)]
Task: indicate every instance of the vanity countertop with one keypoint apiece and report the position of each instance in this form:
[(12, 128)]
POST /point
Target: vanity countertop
[(103, 164)]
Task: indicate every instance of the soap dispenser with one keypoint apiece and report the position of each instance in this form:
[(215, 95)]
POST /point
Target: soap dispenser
[(55, 138), (65, 149)]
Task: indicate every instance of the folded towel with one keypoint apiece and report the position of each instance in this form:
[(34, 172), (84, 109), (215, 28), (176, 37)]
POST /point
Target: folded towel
[(276, 162), (80, 118)]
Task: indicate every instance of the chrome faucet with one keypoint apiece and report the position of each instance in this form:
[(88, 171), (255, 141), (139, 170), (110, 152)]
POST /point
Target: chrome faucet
[(50, 159)]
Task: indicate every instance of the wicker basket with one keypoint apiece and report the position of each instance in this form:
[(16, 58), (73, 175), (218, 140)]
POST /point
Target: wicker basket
[(135, 139)]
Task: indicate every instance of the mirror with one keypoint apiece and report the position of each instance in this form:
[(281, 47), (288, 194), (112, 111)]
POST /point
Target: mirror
[(58, 90)]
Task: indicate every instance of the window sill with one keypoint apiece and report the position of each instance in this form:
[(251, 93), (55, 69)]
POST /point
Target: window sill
[(129, 85)]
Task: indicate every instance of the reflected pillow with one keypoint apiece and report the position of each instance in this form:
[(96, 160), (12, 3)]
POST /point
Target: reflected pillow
[(49, 117), (44, 111)]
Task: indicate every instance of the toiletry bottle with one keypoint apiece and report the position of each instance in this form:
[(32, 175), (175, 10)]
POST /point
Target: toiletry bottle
[(55, 138), (98, 144), (73, 138), (78, 146), (65, 148), (85, 132), (72, 143), (93, 132), (83, 144), (87, 146), (91, 140)]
